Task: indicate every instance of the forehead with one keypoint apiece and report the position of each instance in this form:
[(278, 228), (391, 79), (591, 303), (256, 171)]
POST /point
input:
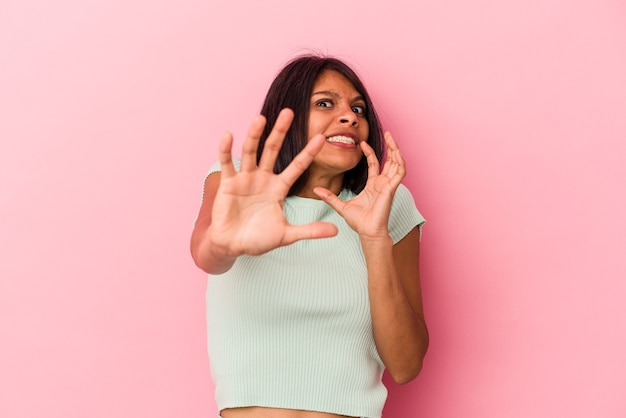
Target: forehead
[(332, 81)]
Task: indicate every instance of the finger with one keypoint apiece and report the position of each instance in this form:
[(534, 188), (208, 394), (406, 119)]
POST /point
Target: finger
[(390, 168), (373, 166), (330, 198), (225, 155), (391, 143), (274, 141), (303, 160), (251, 144), (313, 230), (394, 168)]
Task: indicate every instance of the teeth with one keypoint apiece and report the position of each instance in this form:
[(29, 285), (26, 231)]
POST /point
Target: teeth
[(341, 138)]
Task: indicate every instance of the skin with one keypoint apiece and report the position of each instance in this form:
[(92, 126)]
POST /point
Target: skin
[(336, 108), (242, 214)]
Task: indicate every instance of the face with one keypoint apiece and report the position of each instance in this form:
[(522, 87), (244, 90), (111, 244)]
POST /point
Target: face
[(337, 111)]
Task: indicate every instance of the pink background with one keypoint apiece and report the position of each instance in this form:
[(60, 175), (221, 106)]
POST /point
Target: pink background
[(511, 115)]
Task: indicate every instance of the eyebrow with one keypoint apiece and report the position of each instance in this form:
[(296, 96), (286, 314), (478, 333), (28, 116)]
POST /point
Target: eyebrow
[(335, 95)]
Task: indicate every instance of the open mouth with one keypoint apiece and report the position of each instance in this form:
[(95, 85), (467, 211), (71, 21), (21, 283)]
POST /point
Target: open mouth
[(341, 139)]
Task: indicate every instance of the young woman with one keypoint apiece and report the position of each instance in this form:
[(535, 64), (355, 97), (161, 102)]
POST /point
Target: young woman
[(312, 251)]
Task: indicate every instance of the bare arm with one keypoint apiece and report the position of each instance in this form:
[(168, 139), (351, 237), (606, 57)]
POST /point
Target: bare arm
[(396, 303), (207, 257), (393, 270)]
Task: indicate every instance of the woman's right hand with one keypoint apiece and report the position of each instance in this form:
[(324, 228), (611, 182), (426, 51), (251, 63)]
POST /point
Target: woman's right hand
[(245, 213)]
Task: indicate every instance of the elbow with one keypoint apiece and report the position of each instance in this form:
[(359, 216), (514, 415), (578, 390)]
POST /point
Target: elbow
[(201, 260), (412, 367), (201, 265), (407, 374), (208, 262), (197, 260), (204, 264)]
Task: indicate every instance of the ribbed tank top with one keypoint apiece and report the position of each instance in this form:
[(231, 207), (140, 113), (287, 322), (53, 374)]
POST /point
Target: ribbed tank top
[(292, 328)]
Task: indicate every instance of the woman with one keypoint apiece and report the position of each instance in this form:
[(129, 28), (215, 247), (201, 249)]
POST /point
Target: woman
[(313, 255)]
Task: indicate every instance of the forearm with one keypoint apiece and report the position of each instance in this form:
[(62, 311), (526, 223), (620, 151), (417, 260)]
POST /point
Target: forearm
[(400, 333), (207, 256)]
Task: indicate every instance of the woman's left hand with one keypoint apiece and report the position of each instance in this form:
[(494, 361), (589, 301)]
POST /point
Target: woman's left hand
[(368, 213)]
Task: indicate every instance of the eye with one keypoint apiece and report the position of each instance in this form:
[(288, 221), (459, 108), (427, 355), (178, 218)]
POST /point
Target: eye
[(324, 103), (360, 110)]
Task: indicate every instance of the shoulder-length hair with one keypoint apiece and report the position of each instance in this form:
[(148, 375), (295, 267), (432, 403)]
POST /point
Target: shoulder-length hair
[(292, 89)]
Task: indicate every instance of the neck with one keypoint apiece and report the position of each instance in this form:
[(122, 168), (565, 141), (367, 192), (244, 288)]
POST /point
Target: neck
[(331, 183)]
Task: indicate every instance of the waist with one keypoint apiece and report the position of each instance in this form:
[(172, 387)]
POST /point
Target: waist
[(263, 412)]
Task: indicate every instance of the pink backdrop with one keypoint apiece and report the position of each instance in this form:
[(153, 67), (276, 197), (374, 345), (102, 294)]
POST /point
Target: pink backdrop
[(511, 115)]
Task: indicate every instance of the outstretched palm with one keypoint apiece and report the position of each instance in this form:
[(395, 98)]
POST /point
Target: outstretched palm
[(248, 215)]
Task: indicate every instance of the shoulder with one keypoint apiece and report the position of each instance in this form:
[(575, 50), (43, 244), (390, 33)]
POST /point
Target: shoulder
[(404, 214), (211, 184), (403, 196), (403, 202), (217, 167)]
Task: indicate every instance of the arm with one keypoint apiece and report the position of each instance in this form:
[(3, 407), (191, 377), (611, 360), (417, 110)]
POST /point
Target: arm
[(396, 303), (242, 212), (393, 270), (205, 255)]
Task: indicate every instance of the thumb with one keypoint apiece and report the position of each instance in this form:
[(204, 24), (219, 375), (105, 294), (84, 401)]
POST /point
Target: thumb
[(329, 197), (312, 230)]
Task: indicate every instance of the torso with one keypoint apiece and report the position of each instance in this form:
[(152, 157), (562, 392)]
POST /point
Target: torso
[(261, 412), (296, 336)]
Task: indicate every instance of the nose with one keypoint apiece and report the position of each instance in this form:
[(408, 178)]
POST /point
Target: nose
[(347, 116)]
